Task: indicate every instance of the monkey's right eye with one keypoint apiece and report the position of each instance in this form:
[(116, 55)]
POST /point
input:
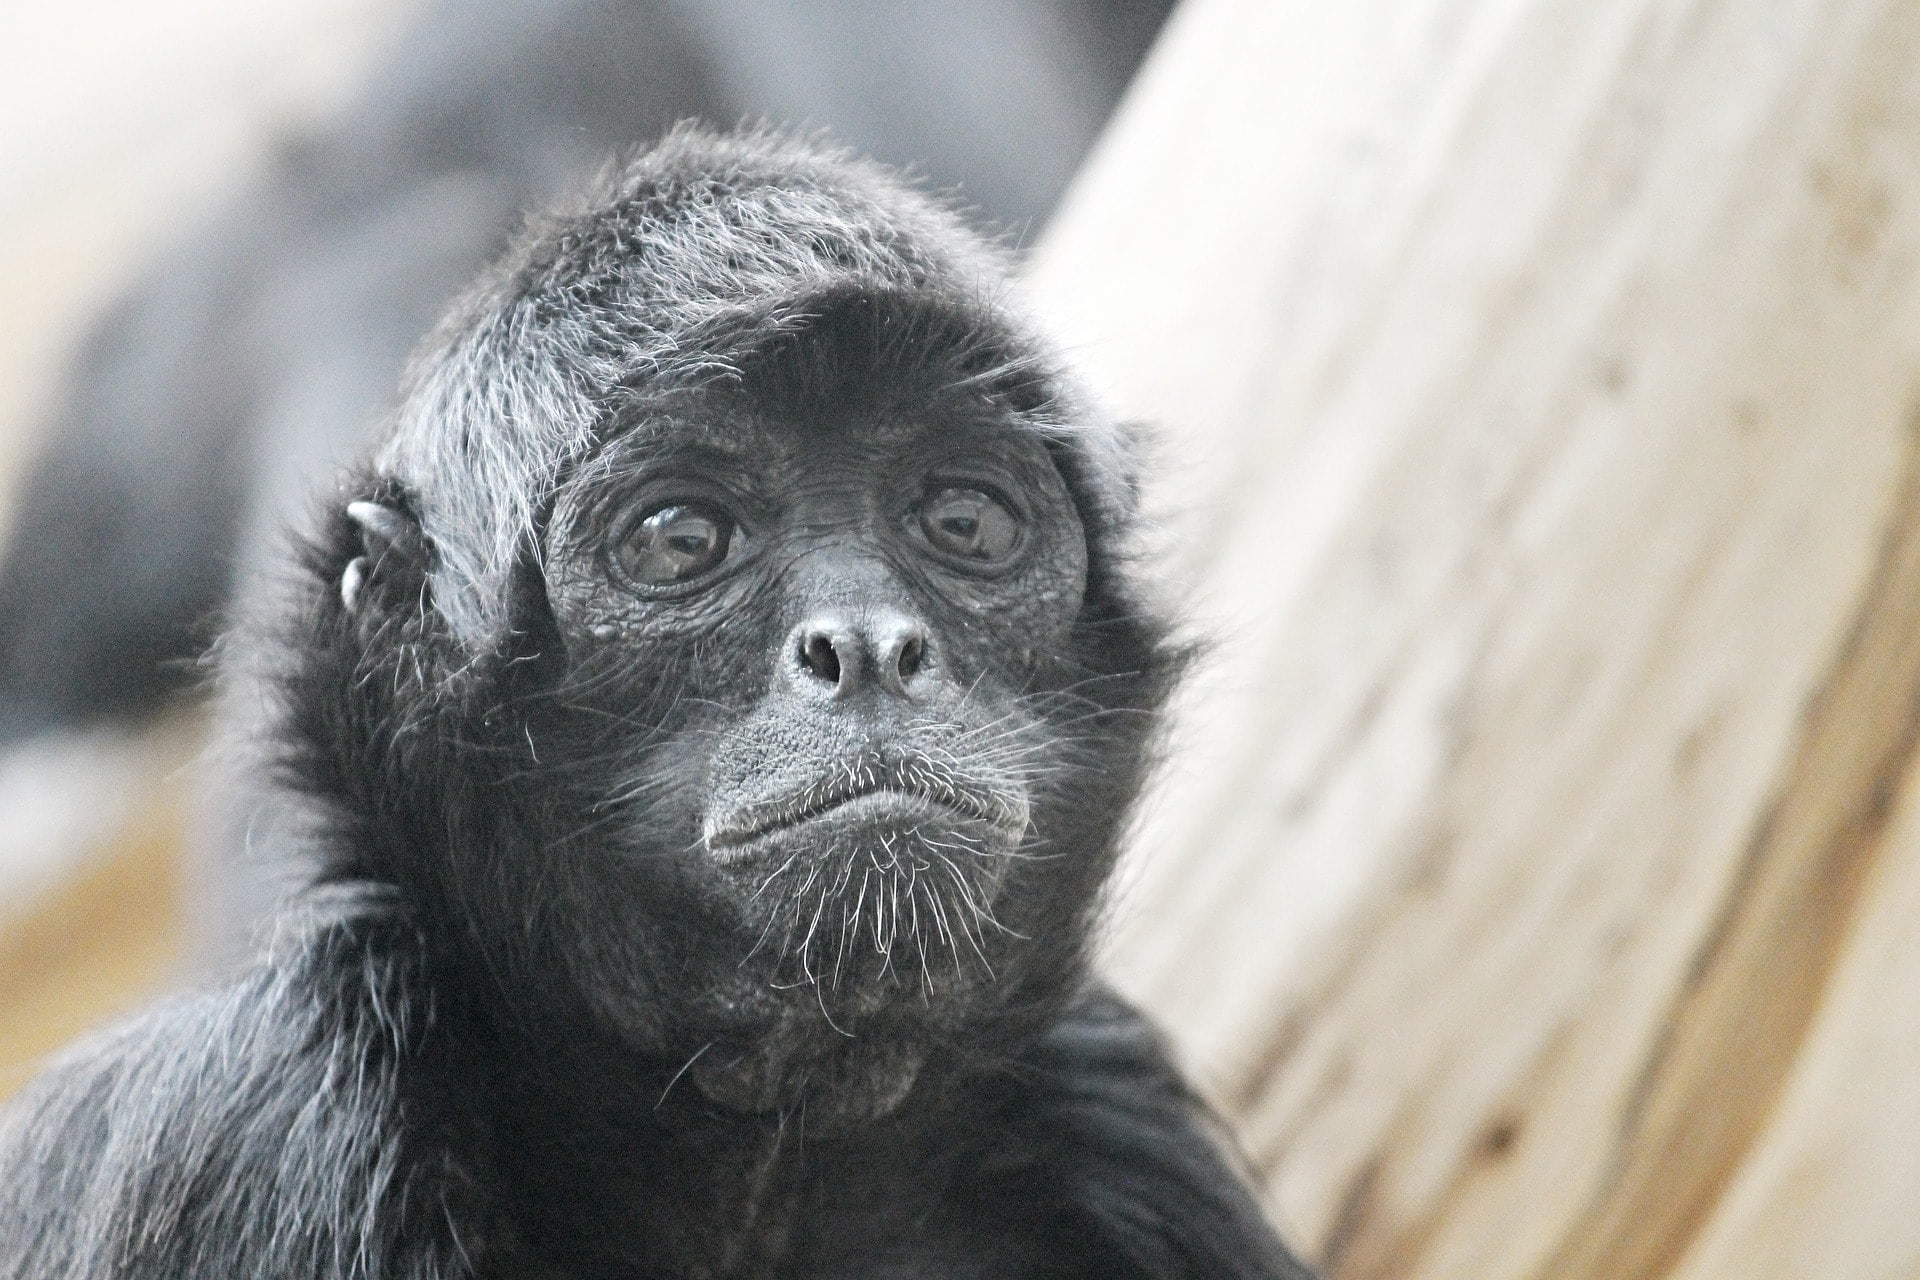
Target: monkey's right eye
[(674, 543)]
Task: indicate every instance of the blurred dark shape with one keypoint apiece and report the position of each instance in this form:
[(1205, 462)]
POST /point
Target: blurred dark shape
[(208, 402)]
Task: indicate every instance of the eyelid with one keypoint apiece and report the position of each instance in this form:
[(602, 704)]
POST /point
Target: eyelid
[(638, 497), (622, 517), (1001, 488)]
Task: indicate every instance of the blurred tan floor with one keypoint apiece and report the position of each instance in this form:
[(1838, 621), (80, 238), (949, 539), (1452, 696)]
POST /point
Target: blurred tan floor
[(121, 121), (105, 938)]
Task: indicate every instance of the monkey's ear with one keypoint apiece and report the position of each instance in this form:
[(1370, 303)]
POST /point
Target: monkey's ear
[(392, 545)]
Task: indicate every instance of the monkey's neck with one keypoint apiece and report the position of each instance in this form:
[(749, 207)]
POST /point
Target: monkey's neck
[(611, 1162)]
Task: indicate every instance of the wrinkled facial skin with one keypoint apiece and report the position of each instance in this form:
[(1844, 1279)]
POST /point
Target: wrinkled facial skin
[(816, 665)]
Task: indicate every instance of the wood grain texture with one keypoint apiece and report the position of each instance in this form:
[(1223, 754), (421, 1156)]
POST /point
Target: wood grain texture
[(1539, 382), (1829, 1188)]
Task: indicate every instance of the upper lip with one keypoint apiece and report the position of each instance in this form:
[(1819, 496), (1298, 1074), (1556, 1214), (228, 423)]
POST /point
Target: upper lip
[(865, 777)]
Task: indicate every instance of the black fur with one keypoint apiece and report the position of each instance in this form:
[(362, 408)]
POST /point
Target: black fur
[(530, 1020)]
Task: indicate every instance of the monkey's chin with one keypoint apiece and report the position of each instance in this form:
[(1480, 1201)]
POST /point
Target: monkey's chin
[(884, 898), (867, 934)]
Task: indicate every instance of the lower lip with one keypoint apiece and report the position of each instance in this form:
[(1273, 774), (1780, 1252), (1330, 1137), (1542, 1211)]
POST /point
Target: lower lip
[(897, 809)]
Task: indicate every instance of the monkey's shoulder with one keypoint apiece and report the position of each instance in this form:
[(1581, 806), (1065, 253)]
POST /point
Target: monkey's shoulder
[(1109, 1130), (260, 1128)]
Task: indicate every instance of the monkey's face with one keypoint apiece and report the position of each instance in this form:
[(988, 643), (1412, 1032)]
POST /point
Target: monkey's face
[(819, 717)]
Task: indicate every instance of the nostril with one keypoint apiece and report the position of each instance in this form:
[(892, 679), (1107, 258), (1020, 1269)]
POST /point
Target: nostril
[(831, 656), (819, 656), (913, 652)]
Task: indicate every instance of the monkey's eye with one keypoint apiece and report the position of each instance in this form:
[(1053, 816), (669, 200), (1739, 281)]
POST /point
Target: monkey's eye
[(968, 524), (674, 543)]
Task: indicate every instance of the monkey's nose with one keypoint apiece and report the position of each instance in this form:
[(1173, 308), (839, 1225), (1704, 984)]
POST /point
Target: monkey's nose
[(836, 657)]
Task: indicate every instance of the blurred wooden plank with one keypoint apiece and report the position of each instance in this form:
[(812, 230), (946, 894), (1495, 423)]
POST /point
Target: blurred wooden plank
[(109, 934), (1830, 1189), (1763, 969), (1539, 381)]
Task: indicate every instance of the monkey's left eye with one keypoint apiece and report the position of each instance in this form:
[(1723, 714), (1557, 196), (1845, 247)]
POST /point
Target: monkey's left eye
[(968, 524), (675, 543)]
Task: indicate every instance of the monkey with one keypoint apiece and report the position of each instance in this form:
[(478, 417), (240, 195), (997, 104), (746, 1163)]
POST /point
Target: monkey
[(256, 352), (716, 706)]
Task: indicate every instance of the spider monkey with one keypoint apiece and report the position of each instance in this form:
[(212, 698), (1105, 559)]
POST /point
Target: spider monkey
[(715, 705)]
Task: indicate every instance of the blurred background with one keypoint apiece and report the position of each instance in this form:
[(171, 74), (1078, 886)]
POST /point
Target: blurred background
[(121, 125), (1534, 878)]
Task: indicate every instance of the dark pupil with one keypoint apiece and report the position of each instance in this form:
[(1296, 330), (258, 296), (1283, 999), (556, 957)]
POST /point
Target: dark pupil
[(966, 522), (674, 543)]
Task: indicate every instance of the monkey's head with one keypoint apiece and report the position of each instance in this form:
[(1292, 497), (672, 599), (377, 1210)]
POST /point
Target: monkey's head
[(732, 646)]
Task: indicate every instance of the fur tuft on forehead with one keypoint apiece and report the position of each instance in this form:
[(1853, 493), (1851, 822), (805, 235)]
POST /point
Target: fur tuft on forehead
[(667, 273), (853, 350)]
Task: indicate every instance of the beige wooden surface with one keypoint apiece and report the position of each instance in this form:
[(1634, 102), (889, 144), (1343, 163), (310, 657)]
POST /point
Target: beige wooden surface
[(1534, 885)]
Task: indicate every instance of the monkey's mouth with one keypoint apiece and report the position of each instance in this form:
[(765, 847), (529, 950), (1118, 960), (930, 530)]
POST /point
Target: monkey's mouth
[(902, 793)]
